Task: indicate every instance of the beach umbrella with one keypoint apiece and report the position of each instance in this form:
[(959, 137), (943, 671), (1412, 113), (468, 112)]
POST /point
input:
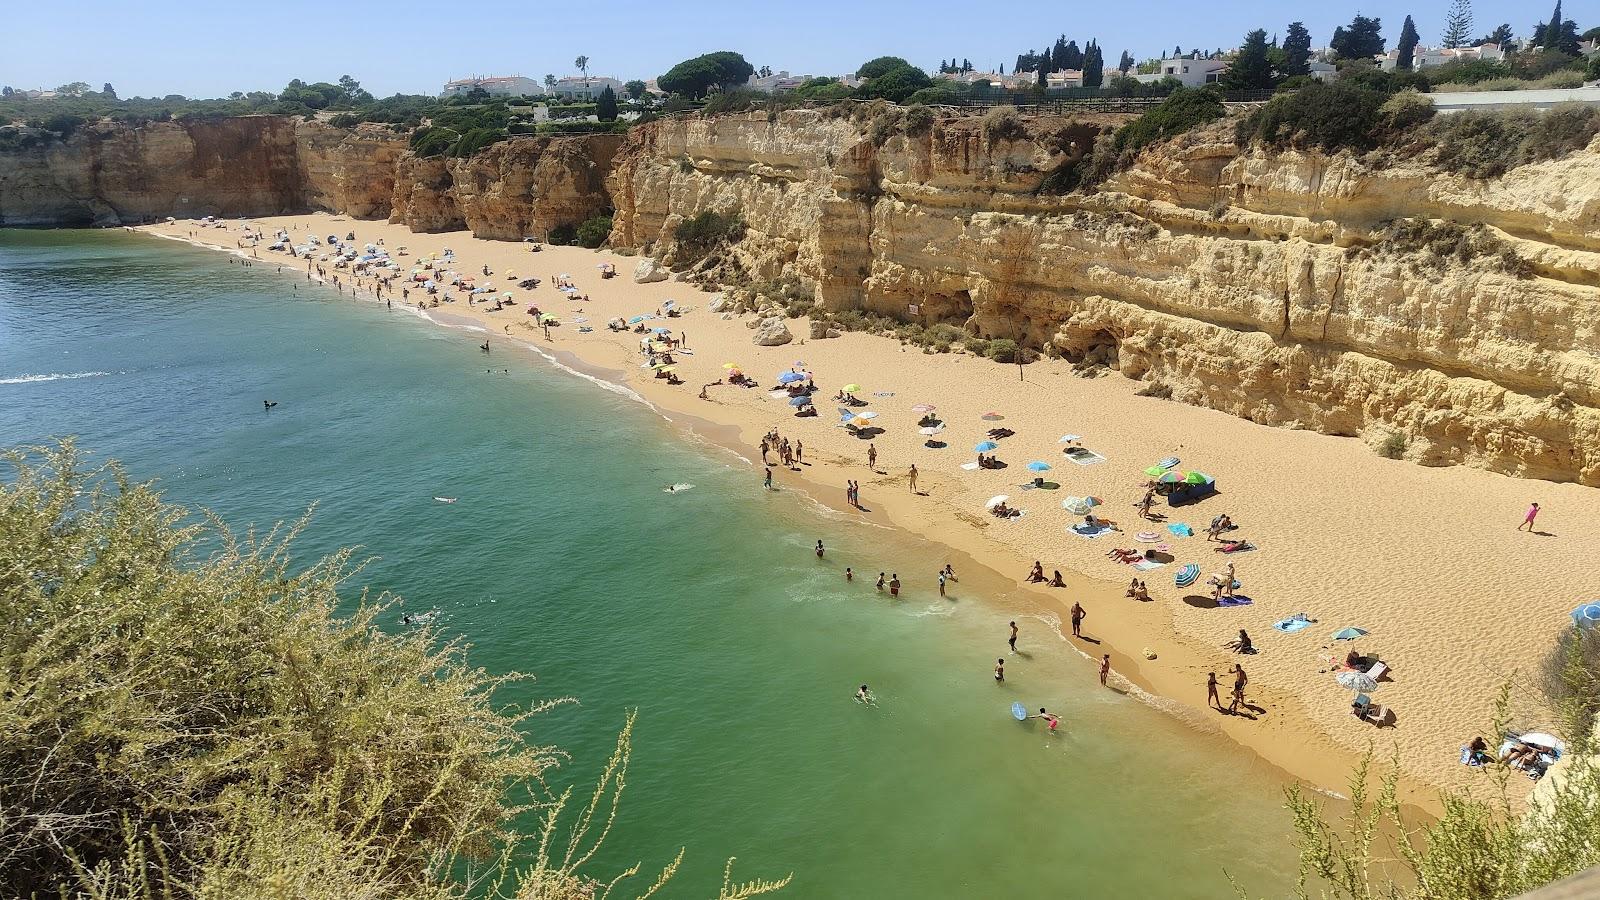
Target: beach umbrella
[(1186, 575), (790, 377), (924, 408), (859, 422), (931, 430), (1587, 616), (636, 320), (985, 447), (1037, 466), (1156, 471), (1069, 438), (866, 414), (1360, 682), (547, 317), (992, 416), (851, 388), (1349, 634), (1196, 478), (799, 401), (996, 501), (662, 330), (1169, 462), (1170, 478), (730, 366), (1080, 506)]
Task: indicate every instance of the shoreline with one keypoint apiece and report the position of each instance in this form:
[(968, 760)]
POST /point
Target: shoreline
[(1284, 736)]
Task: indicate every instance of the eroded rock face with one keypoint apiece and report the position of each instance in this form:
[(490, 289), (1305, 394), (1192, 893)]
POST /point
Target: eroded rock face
[(349, 170), (526, 186), (1258, 284), (109, 174)]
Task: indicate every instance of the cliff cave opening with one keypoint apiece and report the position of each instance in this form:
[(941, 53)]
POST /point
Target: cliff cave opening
[(1089, 347)]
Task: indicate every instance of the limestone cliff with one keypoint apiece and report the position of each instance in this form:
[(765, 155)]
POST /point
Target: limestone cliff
[(510, 190), (107, 174), (1275, 287)]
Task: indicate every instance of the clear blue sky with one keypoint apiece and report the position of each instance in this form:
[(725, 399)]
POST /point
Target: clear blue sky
[(208, 48)]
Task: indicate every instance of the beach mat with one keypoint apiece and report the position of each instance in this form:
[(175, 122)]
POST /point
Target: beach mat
[(1235, 600), (1089, 531), (1293, 624), (1145, 565), (1179, 529), (1085, 457)]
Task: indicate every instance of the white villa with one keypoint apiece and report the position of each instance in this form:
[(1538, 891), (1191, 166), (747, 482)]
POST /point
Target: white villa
[(1191, 72), (776, 83), (1424, 57), (496, 85), (579, 87)]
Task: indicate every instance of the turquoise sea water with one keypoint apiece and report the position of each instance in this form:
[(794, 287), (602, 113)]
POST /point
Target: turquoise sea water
[(706, 611)]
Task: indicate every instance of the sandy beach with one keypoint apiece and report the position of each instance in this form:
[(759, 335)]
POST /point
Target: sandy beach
[(1428, 560)]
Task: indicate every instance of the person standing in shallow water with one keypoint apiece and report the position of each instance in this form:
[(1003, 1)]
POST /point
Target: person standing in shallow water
[(894, 585), (768, 483), (1105, 668), (881, 582), (1000, 670), (1078, 613), (1013, 640), (819, 549)]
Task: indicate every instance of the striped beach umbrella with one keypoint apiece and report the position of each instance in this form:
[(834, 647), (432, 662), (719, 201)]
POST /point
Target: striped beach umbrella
[(1186, 575), (1169, 478), (1360, 682)]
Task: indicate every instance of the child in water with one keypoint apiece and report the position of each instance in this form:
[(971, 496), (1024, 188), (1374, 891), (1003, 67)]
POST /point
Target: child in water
[(864, 695), (1050, 719)]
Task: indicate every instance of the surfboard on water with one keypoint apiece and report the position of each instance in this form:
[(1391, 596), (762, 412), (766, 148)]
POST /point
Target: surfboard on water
[(1018, 711)]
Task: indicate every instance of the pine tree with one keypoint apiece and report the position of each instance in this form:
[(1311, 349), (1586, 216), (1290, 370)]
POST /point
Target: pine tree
[(107, 91), (1040, 81), (1251, 70), (966, 64), (1125, 63), (1074, 56), (605, 107), (1297, 50), (1407, 46), (1362, 40), (1094, 66), (1552, 31), (1458, 24)]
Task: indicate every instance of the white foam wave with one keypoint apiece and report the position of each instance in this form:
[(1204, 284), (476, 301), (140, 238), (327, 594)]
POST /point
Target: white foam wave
[(54, 376), (612, 386)]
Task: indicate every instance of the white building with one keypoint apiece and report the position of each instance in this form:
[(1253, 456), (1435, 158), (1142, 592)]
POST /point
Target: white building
[(1191, 72), (1426, 57), (496, 85), (1064, 78), (776, 83), (579, 87), (1322, 71)]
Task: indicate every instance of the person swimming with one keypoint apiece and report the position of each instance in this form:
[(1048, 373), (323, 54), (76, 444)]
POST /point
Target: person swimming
[(863, 695)]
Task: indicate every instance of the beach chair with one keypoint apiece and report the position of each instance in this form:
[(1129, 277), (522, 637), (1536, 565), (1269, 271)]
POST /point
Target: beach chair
[(1375, 713), (1377, 670)]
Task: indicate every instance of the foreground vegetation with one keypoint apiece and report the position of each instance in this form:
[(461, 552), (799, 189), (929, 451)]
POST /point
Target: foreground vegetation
[(1483, 847), (178, 725)]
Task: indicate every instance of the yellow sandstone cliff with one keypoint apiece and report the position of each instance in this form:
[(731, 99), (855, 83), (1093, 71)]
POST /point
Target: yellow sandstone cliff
[(1268, 286)]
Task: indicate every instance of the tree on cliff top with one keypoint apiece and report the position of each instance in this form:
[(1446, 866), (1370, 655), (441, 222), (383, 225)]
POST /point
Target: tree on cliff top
[(1297, 50), (1458, 24), (1251, 69), (1362, 40), (634, 89), (694, 78), (896, 83), (187, 714), (873, 68), (1406, 48), (606, 105)]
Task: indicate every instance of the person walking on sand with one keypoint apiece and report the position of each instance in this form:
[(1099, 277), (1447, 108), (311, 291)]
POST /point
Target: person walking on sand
[(768, 483), (799, 452), (819, 549), (1078, 613), (1105, 668), (872, 457), (912, 475), (1013, 640), (1239, 681), (999, 670), (1211, 691), (880, 582), (894, 585), (1527, 520)]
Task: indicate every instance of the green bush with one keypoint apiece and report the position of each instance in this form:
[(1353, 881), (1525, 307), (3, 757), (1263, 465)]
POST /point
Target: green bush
[(344, 120), (706, 231), (919, 119), (1003, 124), (1328, 117), (1469, 71), (1487, 144), (975, 345), (594, 232), (1184, 109), (896, 84), (1003, 350), (1393, 446), (63, 124), (564, 234)]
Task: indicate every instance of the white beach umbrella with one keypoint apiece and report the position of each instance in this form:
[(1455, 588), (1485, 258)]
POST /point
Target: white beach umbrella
[(1360, 682), (996, 501)]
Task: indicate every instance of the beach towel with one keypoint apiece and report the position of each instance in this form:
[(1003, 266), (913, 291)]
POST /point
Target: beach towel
[(970, 467), (1089, 531), (1296, 622), (1235, 600), (1145, 565), (1084, 457), (1180, 530)]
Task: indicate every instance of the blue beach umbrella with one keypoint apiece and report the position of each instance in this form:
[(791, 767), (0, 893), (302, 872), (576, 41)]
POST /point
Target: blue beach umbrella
[(985, 447), (799, 401), (662, 330), (790, 377), (1587, 615), (1037, 466), (1186, 575), (1348, 634), (636, 320)]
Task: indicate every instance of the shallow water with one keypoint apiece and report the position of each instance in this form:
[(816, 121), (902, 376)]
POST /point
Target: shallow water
[(705, 610)]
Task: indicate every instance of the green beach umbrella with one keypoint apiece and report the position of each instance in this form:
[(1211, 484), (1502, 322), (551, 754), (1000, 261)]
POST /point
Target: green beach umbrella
[(1196, 478), (1155, 471), (851, 388)]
